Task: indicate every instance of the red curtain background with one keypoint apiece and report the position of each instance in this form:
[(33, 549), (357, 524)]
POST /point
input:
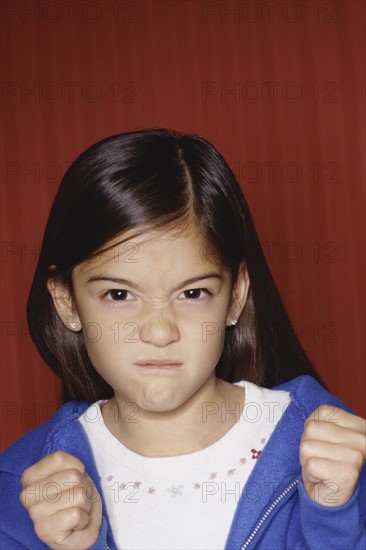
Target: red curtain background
[(278, 87)]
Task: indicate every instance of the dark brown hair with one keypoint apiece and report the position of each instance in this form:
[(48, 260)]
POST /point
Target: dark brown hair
[(156, 178)]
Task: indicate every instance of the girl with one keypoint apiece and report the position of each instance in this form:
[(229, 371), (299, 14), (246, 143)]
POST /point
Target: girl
[(193, 418)]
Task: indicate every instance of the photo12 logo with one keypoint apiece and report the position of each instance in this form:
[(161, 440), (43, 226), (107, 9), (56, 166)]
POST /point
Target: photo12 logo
[(269, 12), (69, 11)]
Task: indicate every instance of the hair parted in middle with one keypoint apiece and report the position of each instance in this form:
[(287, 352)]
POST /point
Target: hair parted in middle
[(153, 179)]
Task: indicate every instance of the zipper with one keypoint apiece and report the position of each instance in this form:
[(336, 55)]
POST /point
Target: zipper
[(267, 513)]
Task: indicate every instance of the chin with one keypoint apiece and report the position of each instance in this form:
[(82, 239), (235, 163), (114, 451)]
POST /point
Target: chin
[(159, 406), (160, 401)]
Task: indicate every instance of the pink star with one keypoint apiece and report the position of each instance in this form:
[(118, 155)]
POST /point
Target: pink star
[(122, 486), (151, 490), (109, 478), (137, 484), (196, 486), (213, 475), (231, 472), (263, 440), (242, 460)]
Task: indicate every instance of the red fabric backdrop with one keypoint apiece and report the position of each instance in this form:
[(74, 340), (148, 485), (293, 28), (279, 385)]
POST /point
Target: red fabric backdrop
[(278, 87)]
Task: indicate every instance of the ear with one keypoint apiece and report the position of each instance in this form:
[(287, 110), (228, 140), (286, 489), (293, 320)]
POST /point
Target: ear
[(239, 295), (64, 304)]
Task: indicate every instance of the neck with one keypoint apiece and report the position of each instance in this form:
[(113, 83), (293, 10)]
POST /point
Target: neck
[(201, 421)]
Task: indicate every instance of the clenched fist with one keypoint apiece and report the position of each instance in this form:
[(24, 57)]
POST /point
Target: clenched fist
[(332, 454), (62, 502)]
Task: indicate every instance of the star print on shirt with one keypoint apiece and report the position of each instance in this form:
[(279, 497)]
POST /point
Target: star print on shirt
[(255, 454)]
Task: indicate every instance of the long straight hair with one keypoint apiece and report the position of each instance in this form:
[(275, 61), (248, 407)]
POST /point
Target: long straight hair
[(159, 178)]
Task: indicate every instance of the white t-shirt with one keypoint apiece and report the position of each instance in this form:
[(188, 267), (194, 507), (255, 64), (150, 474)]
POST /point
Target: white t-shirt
[(185, 501)]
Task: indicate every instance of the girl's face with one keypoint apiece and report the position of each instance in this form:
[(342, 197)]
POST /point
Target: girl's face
[(158, 297)]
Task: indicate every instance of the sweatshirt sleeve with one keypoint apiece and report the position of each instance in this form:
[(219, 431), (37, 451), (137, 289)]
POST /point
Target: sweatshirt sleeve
[(101, 543), (9, 543), (328, 528)]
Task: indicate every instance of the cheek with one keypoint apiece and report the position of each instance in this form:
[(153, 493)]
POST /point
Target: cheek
[(206, 342), (112, 360), (207, 320), (211, 329), (105, 341), (212, 333), (98, 322)]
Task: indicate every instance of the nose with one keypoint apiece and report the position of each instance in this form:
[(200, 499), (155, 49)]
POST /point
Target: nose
[(158, 330)]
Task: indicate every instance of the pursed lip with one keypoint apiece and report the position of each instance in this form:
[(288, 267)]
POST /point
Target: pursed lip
[(159, 363)]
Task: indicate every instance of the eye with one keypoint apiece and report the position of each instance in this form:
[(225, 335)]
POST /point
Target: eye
[(118, 295), (195, 293)]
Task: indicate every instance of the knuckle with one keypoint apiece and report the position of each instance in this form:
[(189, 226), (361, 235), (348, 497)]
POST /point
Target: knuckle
[(76, 514), (86, 505), (321, 412), (310, 429), (306, 448), (311, 464), (22, 498), (40, 528), (60, 458), (34, 514), (74, 475), (90, 492), (25, 476), (65, 461), (78, 496), (359, 460), (29, 496), (361, 444)]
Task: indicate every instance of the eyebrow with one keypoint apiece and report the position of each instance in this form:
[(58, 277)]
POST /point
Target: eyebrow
[(210, 275)]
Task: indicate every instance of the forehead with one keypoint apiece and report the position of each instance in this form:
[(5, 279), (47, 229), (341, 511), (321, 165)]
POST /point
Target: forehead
[(158, 248)]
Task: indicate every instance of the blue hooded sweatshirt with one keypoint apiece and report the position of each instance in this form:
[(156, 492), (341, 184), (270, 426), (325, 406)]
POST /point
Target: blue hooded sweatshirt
[(273, 513)]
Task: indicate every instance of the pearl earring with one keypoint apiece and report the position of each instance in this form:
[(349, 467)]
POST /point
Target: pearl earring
[(234, 323), (73, 326)]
